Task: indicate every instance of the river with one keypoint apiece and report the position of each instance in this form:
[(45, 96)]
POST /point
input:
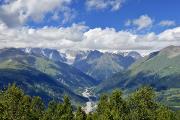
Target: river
[(90, 105)]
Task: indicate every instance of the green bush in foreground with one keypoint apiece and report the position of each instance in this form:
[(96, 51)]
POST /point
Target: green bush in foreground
[(141, 105)]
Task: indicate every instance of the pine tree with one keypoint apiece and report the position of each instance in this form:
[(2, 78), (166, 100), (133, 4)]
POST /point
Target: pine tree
[(80, 114), (12, 101), (119, 108), (51, 111), (178, 115), (67, 110), (163, 113), (89, 116), (142, 104), (103, 109), (24, 108), (37, 108)]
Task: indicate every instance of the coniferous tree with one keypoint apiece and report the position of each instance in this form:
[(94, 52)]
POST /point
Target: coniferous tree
[(178, 115), (37, 108), (118, 106), (163, 113), (24, 108), (89, 116), (103, 109), (141, 105), (12, 102), (51, 111), (80, 114), (67, 110)]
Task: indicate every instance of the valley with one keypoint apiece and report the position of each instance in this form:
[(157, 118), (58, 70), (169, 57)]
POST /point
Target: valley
[(92, 100), (49, 74), (89, 60)]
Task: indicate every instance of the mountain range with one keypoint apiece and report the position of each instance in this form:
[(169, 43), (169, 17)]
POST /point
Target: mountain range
[(98, 65), (41, 76), (160, 70), (52, 73), (101, 65)]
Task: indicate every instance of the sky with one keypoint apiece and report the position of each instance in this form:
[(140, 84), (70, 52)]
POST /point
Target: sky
[(139, 25)]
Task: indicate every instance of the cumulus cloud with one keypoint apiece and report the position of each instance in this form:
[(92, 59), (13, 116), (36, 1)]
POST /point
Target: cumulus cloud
[(167, 23), (172, 35), (104, 4), (144, 21), (108, 38), (50, 37), (79, 36), (18, 12)]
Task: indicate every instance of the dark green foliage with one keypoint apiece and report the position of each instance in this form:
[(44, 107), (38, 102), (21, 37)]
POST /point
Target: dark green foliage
[(39, 76), (80, 114), (141, 105), (15, 105), (178, 115), (59, 111), (161, 70)]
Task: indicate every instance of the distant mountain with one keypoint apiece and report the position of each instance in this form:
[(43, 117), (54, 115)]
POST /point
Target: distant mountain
[(42, 75), (134, 54), (51, 54), (74, 55), (160, 70), (101, 65), (98, 65)]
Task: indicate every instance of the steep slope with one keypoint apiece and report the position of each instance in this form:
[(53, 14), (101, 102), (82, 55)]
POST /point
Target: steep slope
[(164, 63), (74, 55), (68, 76), (160, 70), (55, 65), (51, 54), (36, 83), (102, 65)]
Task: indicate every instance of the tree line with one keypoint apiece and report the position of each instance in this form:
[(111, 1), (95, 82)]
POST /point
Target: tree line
[(141, 105)]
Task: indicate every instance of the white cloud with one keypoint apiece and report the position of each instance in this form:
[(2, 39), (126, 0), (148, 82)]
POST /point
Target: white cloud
[(17, 12), (43, 37), (167, 23), (107, 38), (79, 36), (104, 4), (144, 21), (170, 35)]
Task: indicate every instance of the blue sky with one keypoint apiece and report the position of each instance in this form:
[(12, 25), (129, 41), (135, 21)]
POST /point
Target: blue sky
[(90, 24), (158, 10)]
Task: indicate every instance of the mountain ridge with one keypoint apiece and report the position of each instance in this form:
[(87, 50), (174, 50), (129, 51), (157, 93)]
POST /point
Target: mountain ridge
[(15, 63), (159, 70)]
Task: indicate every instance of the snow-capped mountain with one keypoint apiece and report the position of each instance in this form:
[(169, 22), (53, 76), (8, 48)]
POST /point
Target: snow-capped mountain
[(51, 54), (74, 55), (99, 65)]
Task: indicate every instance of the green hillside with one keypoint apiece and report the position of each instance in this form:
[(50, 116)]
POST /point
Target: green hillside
[(38, 75), (36, 83), (160, 70), (63, 73)]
